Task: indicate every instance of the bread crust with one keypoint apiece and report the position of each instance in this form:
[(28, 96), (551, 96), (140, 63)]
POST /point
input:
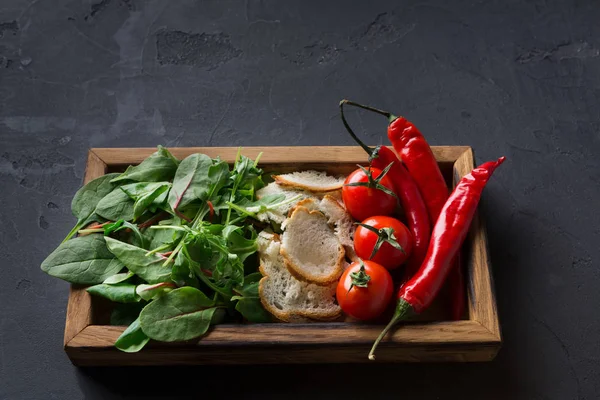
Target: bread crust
[(288, 180)]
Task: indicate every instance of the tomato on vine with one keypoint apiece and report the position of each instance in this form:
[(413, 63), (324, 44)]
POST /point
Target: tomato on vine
[(368, 191), (384, 240), (364, 290)]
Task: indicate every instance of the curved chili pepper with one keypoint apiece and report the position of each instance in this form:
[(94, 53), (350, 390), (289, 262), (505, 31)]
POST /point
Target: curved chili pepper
[(408, 192), (416, 154), (448, 235)]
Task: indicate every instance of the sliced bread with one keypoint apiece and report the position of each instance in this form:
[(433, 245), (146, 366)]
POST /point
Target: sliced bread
[(310, 247), (284, 296), (338, 217), (313, 181)]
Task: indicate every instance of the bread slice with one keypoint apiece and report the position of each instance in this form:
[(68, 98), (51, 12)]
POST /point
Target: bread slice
[(284, 296), (310, 248), (338, 217), (313, 181)]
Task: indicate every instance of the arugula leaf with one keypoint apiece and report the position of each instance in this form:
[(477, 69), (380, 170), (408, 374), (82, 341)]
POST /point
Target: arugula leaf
[(125, 313), (119, 292), (150, 268), (238, 244), (183, 314), (133, 339), (158, 167), (181, 273), (85, 260), (86, 199), (115, 206)]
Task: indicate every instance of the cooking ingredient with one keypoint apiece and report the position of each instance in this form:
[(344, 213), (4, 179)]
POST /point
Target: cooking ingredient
[(159, 166), (287, 298), (364, 290), (83, 205), (338, 217), (187, 252), (117, 292), (133, 339), (182, 314), (368, 192), (448, 235), (313, 181), (310, 248), (415, 153), (408, 192), (85, 260), (383, 240)]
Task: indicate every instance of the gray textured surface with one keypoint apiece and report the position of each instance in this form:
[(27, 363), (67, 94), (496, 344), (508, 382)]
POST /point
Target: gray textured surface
[(514, 78)]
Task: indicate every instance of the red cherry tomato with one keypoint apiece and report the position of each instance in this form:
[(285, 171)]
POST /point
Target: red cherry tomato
[(390, 229), (364, 290), (369, 199)]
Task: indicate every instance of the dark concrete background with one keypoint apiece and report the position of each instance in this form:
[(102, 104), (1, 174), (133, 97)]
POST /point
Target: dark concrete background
[(515, 78)]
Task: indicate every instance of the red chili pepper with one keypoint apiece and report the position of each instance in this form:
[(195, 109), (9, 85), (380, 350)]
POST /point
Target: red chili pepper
[(416, 154), (408, 192), (448, 235)]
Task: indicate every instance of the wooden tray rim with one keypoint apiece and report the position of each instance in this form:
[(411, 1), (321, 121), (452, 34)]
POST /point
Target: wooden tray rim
[(479, 336)]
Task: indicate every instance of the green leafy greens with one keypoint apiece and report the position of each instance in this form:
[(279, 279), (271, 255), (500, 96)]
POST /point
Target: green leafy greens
[(170, 243)]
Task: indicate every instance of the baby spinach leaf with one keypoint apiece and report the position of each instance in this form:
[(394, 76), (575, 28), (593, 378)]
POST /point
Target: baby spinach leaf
[(119, 292), (149, 268), (149, 292), (84, 260), (144, 194), (125, 313), (252, 309), (118, 278), (116, 205), (249, 304), (133, 339), (86, 199), (183, 314), (250, 287), (160, 237), (159, 166)]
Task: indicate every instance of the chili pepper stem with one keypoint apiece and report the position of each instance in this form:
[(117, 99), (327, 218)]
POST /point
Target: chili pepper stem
[(403, 309), (391, 117), (371, 152)]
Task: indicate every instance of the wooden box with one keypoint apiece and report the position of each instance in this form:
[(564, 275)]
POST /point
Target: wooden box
[(89, 339)]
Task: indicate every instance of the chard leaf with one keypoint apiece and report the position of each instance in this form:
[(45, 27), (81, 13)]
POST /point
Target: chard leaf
[(196, 179), (183, 314)]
